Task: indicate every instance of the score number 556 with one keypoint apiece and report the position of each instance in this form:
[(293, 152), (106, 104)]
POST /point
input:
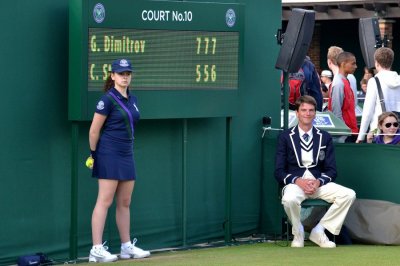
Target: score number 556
[(206, 73)]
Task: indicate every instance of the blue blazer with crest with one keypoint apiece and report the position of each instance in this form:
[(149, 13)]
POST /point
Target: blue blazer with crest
[(288, 161)]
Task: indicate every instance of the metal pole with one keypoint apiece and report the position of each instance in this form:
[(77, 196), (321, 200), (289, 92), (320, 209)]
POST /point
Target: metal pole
[(228, 181), (73, 241), (184, 182), (285, 100)]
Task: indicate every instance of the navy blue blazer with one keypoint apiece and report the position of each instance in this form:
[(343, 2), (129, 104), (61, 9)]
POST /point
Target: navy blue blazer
[(288, 162)]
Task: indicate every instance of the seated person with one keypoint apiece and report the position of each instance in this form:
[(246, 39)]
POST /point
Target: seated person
[(306, 168), (363, 92), (388, 130)]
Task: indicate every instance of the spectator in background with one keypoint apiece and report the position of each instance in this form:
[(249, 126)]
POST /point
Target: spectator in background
[(353, 86), (363, 91), (368, 73), (390, 84), (363, 85), (324, 91), (326, 77), (305, 82), (388, 130), (332, 55), (326, 81), (341, 100)]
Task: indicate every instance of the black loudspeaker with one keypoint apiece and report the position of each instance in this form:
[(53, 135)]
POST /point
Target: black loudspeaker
[(296, 40), (369, 35)]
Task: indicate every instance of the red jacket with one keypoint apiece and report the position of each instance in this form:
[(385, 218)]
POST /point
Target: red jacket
[(348, 108)]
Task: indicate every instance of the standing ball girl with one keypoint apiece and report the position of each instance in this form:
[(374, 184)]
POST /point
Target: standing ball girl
[(111, 145)]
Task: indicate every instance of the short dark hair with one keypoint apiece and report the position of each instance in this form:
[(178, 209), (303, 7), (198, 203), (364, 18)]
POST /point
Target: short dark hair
[(305, 99), (364, 81), (344, 57)]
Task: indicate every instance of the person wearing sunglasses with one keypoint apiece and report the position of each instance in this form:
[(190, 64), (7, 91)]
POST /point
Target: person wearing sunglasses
[(388, 130)]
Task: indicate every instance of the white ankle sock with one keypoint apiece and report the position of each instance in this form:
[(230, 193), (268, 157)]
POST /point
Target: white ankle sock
[(97, 246), (319, 228), (126, 244), (301, 229)]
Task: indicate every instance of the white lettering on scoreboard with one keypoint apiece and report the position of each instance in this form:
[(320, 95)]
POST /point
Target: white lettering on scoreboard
[(167, 15)]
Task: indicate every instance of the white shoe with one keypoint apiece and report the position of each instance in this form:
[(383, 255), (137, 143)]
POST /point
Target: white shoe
[(319, 238), (133, 252), (298, 240), (100, 254)]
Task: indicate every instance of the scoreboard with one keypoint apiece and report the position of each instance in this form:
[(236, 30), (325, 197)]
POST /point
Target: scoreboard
[(186, 56), (166, 59)]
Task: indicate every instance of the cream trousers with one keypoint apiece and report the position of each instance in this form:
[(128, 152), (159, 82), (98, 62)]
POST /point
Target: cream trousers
[(341, 198)]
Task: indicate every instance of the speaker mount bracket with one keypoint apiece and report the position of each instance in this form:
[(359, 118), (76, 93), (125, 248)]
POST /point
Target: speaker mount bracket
[(279, 36), (381, 42)]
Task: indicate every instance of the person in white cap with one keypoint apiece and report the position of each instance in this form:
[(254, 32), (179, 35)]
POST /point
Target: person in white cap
[(326, 81), (326, 77)]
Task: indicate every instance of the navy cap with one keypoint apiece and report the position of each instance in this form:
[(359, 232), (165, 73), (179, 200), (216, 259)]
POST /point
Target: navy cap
[(121, 65)]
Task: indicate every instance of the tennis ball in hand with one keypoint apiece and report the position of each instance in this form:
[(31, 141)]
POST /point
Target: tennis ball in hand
[(89, 162)]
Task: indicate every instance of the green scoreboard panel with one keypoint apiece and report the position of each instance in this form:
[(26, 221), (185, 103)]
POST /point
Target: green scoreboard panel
[(187, 56)]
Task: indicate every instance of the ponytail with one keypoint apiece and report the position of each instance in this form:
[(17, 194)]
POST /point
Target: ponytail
[(108, 84)]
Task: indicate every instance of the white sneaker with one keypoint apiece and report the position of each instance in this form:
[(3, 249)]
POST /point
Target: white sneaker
[(298, 240), (133, 252), (319, 238), (100, 254)]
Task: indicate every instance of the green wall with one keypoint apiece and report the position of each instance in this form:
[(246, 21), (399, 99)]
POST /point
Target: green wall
[(36, 151)]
